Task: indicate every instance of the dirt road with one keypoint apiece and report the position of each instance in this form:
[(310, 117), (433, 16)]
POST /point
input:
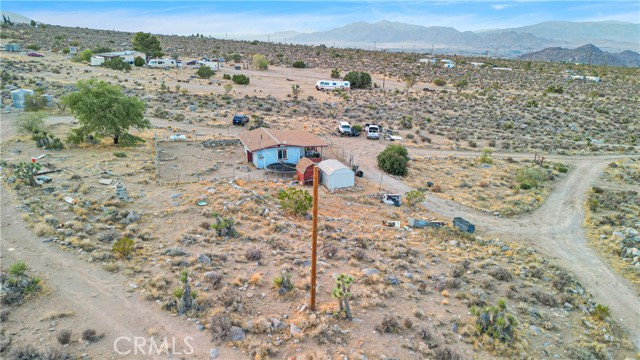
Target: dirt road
[(555, 229), (100, 300)]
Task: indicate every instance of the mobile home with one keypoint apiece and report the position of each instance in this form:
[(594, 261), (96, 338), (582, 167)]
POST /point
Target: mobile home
[(97, 60), (162, 63), (323, 85)]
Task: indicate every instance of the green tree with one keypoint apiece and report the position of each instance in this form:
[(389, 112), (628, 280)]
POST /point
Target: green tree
[(461, 84), (33, 23), (358, 79), (260, 62), (138, 61), (117, 63), (299, 64), (104, 110), (393, 160), (148, 44), (205, 72), (335, 73), (85, 55), (236, 58), (485, 158), (295, 201)]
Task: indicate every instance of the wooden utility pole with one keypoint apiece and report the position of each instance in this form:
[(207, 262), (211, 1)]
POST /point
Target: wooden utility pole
[(314, 238)]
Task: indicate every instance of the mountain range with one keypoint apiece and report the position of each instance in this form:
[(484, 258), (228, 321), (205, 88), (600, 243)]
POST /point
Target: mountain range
[(613, 35), (586, 54)]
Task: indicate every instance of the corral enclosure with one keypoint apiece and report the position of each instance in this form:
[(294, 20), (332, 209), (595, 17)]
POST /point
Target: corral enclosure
[(190, 161)]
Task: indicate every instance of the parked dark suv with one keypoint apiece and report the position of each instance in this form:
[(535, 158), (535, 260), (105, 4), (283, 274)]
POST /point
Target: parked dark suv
[(240, 119)]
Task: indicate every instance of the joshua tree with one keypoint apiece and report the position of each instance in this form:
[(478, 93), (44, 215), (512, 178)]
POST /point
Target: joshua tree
[(342, 292)]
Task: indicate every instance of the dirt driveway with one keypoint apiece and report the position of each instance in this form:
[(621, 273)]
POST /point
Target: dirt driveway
[(555, 229)]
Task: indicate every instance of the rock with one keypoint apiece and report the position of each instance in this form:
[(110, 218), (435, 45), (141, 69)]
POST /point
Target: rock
[(505, 248), (534, 329), (105, 181), (588, 324), (392, 280), (175, 252), (370, 271), (214, 353), (133, 285), (132, 217), (237, 334), (301, 262), (192, 108), (618, 234), (608, 338), (204, 259), (277, 324), (568, 306), (631, 232), (175, 196), (294, 330)]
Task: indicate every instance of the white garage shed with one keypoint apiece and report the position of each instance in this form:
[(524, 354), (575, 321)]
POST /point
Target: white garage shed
[(335, 175)]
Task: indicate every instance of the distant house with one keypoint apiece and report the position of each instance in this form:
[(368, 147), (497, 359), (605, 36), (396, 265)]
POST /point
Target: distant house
[(19, 96), (97, 60), (476, 64), (449, 65), (264, 147), (335, 175), (128, 56)]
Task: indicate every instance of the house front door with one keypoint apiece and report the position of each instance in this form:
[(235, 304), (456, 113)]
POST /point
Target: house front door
[(249, 156)]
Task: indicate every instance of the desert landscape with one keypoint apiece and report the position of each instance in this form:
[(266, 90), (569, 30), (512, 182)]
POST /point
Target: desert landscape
[(179, 243)]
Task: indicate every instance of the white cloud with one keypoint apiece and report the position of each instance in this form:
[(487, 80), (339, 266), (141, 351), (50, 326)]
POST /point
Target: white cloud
[(501, 6)]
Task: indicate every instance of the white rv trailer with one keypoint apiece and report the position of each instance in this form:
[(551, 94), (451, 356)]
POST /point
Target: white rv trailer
[(323, 85), (162, 63)]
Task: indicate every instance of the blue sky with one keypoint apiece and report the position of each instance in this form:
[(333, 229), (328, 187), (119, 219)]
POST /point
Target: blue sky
[(263, 17)]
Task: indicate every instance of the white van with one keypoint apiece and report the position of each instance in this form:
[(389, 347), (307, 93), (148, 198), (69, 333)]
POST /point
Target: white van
[(323, 85), (373, 132), (162, 63)]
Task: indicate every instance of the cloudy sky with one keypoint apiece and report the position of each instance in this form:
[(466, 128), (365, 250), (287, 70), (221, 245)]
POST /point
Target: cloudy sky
[(264, 17)]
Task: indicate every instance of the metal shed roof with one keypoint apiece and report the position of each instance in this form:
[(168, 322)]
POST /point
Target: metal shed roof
[(330, 166)]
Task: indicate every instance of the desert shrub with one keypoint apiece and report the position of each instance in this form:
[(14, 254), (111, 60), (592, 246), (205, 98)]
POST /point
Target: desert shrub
[(554, 89), (138, 61), (389, 325), (240, 79), (120, 154), (335, 73), (424, 333), (205, 72), (117, 63), (226, 76), (295, 201), (17, 283), (225, 227), (439, 82), (495, 322), (601, 312), (529, 177), (330, 250), (393, 160), (45, 140), (544, 298), (357, 128), (406, 122), (123, 247), (414, 197), (30, 122), (33, 47), (34, 103), (64, 337), (253, 254), (562, 281), (26, 353), (358, 79), (230, 299), (220, 327), (90, 335), (447, 353), (299, 64), (359, 254), (282, 282), (500, 273), (561, 168)]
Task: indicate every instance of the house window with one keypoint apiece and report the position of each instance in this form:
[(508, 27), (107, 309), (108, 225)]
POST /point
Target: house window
[(282, 154)]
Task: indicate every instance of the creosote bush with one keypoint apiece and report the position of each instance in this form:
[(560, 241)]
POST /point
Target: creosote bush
[(123, 247)]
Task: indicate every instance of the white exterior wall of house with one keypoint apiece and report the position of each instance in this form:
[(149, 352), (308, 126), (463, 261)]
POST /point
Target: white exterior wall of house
[(97, 60), (263, 158)]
